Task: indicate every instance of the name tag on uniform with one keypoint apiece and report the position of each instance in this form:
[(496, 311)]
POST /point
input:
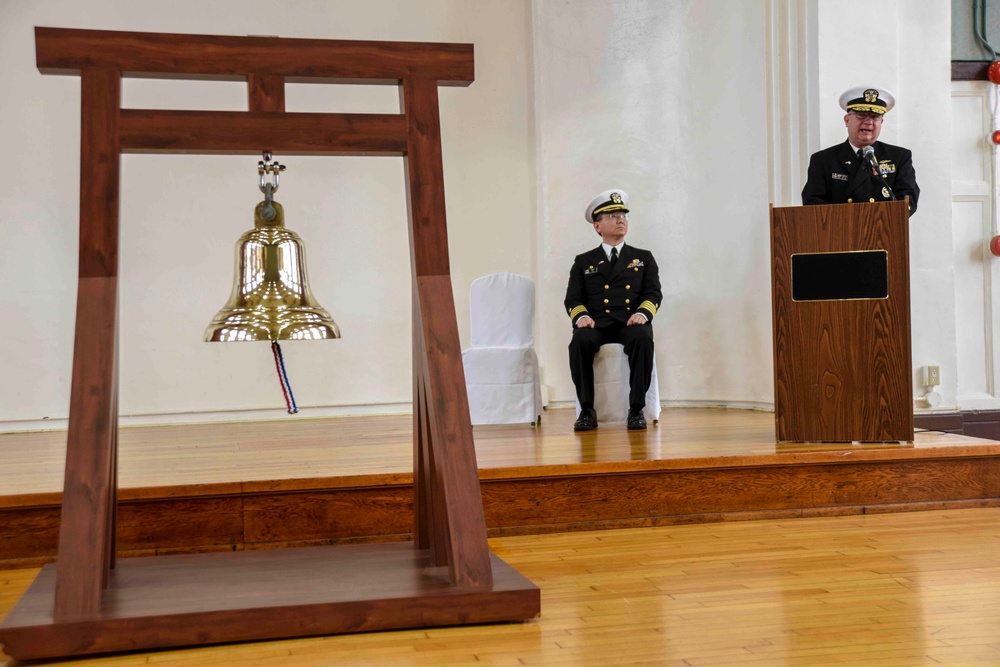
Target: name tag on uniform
[(839, 177)]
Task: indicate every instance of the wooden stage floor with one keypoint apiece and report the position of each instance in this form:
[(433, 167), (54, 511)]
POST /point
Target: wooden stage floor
[(301, 481)]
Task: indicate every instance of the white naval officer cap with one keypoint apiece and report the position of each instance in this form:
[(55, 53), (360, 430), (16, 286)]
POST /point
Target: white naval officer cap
[(861, 98), (609, 200)]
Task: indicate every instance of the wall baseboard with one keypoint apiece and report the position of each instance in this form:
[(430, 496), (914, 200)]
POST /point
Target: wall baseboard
[(975, 423), (275, 414)]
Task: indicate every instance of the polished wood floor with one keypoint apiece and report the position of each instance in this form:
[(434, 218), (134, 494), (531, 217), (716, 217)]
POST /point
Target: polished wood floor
[(881, 590), (310, 482), (303, 448)]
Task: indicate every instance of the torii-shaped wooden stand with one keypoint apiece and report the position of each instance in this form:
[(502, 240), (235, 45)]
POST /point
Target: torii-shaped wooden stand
[(88, 603)]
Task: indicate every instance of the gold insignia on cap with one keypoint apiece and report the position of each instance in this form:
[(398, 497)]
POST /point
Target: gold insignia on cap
[(616, 198), (871, 95)]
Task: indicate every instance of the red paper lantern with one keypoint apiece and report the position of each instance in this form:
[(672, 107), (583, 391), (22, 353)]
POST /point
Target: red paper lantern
[(995, 246), (993, 71)]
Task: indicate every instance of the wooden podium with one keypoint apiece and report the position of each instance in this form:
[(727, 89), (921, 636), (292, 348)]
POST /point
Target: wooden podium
[(841, 306), (90, 603)]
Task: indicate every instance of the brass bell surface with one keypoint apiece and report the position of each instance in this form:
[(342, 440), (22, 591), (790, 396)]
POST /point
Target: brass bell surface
[(271, 299)]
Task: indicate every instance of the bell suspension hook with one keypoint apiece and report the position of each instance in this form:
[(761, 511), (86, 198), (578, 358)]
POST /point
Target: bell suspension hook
[(266, 167)]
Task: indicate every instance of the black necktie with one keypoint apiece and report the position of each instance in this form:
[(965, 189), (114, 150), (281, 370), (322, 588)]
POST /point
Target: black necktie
[(614, 256)]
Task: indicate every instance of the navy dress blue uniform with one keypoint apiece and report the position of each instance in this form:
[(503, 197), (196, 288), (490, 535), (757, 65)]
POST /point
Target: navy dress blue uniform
[(611, 295), (838, 176)]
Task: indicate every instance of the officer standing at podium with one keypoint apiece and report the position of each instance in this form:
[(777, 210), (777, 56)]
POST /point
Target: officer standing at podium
[(612, 297), (862, 169)]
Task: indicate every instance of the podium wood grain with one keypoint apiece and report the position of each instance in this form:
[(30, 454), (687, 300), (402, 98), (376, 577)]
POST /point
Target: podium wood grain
[(842, 367)]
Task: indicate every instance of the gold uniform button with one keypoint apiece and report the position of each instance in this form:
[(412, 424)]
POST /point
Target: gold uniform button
[(607, 311), (637, 269), (872, 200), (627, 301), (628, 287), (850, 201), (605, 301), (607, 287)]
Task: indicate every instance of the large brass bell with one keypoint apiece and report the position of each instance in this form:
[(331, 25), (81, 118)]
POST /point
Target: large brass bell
[(271, 299)]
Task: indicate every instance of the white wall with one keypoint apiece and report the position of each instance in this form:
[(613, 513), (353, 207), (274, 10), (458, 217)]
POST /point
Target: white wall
[(665, 100), (181, 215), (676, 117), (977, 272), (904, 45)]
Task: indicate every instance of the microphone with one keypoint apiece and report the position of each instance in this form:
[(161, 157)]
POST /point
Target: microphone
[(869, 154)]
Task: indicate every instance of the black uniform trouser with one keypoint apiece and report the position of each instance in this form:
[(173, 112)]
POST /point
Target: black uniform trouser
[(638, 342)]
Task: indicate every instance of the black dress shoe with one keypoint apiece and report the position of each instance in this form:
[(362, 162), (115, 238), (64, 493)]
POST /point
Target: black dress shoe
[(636, 420), (587, 420)]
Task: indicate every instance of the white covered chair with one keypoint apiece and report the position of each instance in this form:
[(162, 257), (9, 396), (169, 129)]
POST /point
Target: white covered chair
[(501, 368), (611, 387)]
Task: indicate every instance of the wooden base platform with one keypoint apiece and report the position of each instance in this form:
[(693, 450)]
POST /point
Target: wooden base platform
[(204, 599), (302, 482)]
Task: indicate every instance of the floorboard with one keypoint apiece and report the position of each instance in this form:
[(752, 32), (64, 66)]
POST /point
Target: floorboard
[(300, 448), (899, 589)]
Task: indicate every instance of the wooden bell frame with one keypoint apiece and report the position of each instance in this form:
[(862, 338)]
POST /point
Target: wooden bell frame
[(86, 602)]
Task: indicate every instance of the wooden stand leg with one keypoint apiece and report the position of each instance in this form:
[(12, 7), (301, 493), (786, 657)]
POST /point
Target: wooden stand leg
[(430, 527), (451, 450), (86, 529)]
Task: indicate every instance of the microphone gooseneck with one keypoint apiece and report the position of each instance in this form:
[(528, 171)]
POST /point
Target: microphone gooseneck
[(868, 152)]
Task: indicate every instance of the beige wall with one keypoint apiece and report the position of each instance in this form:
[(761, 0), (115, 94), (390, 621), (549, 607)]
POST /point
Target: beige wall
[(667, 100), (911, 42), (181, 215)]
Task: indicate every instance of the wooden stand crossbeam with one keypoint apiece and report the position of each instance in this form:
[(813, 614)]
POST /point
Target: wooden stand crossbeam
[(88, 603)]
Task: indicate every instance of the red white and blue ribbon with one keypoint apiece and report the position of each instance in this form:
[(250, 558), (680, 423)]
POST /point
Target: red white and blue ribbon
[(286, 389)]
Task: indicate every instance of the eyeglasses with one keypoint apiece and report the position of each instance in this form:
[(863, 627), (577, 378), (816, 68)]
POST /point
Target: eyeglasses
[(862, 116), (614, 216)]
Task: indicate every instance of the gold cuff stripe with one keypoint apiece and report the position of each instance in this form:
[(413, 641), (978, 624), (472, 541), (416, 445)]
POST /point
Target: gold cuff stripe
[(576, 311), (649, 305)]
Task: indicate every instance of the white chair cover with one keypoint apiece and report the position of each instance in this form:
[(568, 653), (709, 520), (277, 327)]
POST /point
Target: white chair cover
[(501, 368), (611, 387)]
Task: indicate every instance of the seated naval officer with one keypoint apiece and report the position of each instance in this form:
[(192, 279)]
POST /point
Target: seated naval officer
[(862, 169), (612, 297)]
